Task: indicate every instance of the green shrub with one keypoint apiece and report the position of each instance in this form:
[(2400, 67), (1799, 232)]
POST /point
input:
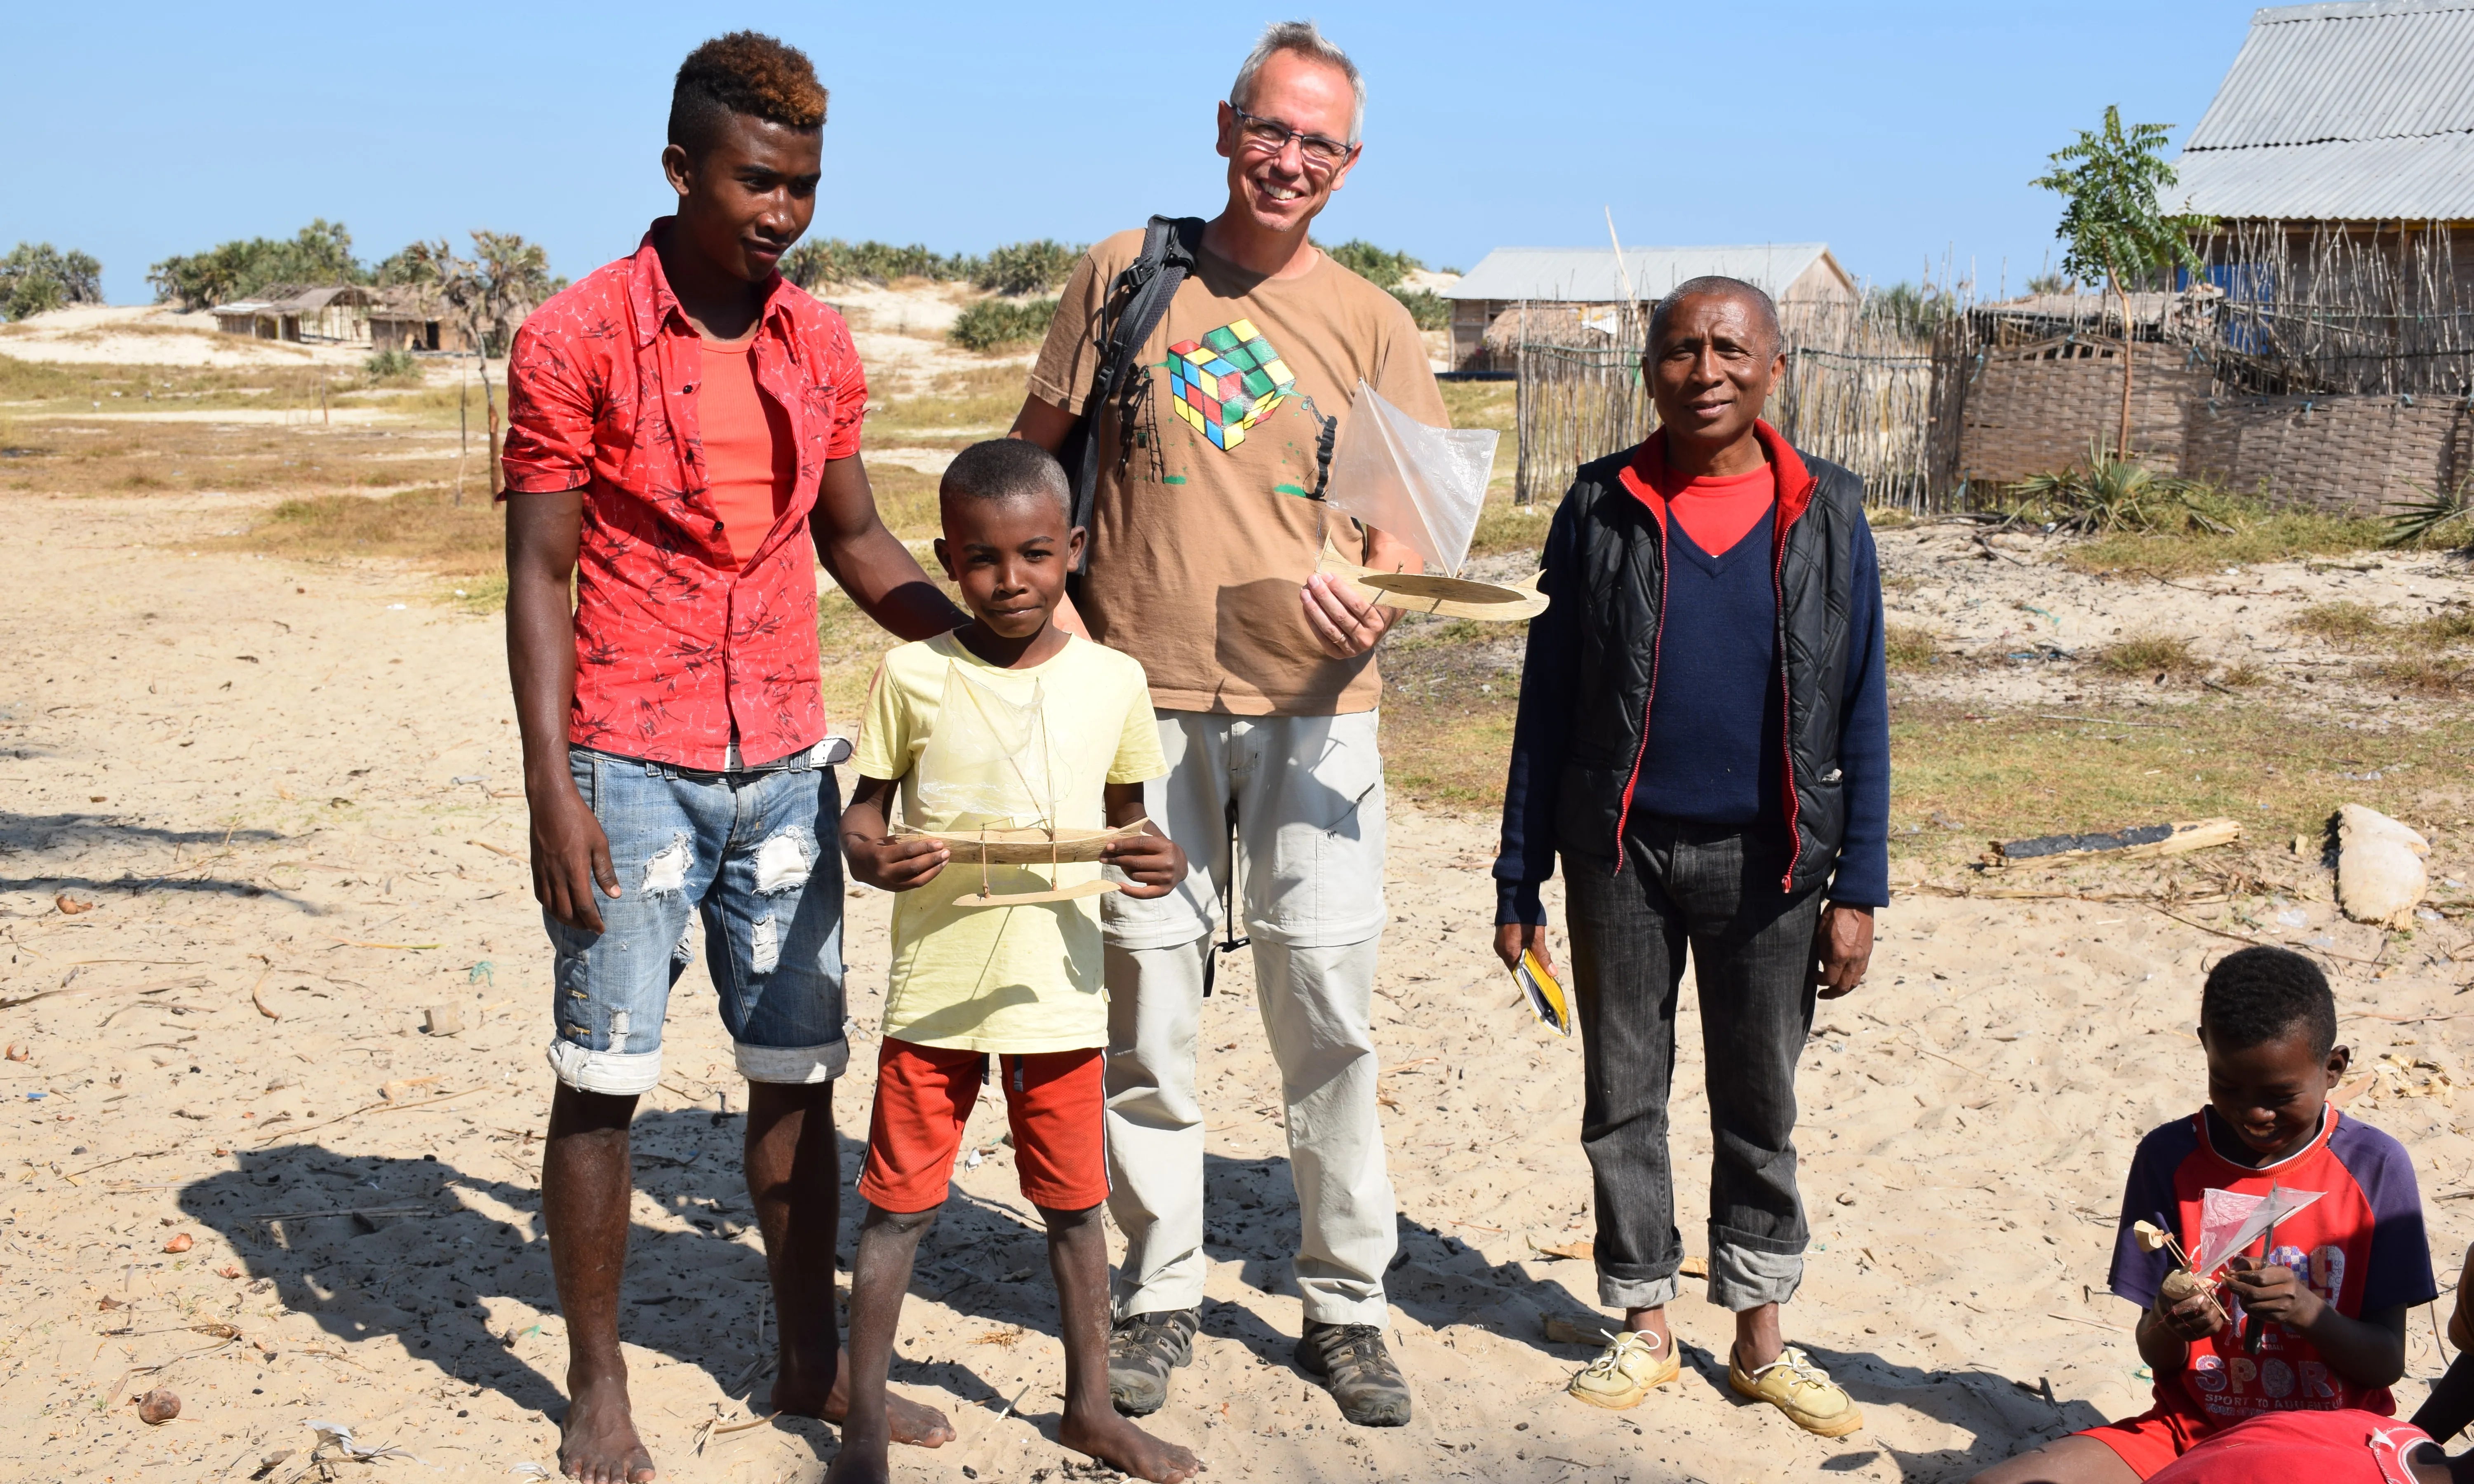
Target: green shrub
[(995, 324), (1430, 309), (832, 260), (1021, 268), (320, 252), (1377, 267), (391, 366), (35, 276)]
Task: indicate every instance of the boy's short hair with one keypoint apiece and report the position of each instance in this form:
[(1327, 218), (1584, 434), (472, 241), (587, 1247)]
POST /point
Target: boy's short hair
[(745, 72), (1004, 469), (2257, 995)]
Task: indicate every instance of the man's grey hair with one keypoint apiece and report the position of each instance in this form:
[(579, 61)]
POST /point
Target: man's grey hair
[(1717, 286), (1305, 39)]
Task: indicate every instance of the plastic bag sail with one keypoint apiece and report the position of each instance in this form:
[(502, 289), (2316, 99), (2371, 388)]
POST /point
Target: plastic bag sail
[(987, 764), (1422, 485), (2230, 1222)]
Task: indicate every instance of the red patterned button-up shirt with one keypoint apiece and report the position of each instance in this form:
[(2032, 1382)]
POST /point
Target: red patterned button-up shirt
[(676, 643)]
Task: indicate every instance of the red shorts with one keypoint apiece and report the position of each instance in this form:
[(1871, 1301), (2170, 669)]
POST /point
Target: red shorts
[(2324, 1447), (1053, 1103), (2155, 1437)]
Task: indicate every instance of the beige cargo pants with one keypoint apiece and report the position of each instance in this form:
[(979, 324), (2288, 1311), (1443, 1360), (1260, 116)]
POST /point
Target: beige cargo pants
[(1309, 863)]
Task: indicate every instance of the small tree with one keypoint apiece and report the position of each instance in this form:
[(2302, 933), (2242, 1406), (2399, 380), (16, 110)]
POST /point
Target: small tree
[(2111, 226)]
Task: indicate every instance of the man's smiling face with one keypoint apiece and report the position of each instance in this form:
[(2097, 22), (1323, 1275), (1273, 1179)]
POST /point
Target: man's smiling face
[(1712, 367), (1283, 189)]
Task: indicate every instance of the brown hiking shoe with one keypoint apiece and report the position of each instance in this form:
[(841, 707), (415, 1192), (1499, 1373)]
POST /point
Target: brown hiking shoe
[(1361, 1375), (1142, 1349)]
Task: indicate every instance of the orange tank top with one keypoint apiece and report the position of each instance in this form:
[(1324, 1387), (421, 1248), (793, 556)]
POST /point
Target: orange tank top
[(747, 448)]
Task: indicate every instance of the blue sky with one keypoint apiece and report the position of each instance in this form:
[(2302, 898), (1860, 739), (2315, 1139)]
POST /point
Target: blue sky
[(1898, 133)]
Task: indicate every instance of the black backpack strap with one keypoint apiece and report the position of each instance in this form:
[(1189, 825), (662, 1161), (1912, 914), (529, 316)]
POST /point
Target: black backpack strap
[(1136, 303)]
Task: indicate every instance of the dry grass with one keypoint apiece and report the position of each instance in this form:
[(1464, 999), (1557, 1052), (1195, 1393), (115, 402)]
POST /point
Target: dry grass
[(965, 407), (2341, 623), (2423, 675), (2277, 536), (2160, 656), (1911, 646), (423, 527), (2006, 775)]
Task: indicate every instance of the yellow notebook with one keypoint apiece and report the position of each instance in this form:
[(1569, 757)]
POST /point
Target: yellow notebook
[(1544, 995)]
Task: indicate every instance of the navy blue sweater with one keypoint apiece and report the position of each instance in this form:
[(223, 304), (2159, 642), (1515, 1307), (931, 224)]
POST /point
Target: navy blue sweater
[(1716, 753), (1712, 756)]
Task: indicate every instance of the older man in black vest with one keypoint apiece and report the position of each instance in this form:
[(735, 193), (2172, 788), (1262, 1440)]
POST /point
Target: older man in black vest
[(1703, 736)]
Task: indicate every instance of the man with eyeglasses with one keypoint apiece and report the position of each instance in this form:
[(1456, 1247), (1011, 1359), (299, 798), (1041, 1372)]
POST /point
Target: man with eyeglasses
[(1206, 526)]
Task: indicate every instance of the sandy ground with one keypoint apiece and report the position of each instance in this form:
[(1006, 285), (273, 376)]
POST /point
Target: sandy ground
[(156, 335), (2010, 597), (242, 782)]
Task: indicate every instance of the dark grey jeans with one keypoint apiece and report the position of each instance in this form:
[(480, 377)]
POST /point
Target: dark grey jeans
[(1717, 887)]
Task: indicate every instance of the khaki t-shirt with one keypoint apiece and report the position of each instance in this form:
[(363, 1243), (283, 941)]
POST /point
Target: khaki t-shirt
[(1201, 543)]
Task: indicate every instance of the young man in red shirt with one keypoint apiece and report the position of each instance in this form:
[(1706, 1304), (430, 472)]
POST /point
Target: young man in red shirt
[(682, 423)]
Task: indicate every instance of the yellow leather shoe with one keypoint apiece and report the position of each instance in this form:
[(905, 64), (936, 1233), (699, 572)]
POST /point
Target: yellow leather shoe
[(1802, 1390), (1626, 1371)]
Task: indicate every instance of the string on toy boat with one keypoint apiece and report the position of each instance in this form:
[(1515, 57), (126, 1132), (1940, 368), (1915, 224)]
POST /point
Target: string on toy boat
[(987, 776)]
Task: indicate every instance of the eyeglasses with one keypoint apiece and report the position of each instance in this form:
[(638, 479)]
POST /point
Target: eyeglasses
[(1271, 136)]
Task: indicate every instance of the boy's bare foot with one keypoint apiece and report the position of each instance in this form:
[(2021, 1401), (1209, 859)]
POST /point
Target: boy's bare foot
[(1116, 1442), (599, 1444), (794, 1391), (860, 1461)]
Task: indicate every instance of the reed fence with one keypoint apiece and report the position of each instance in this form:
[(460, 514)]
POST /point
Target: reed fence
[(2323, 364)]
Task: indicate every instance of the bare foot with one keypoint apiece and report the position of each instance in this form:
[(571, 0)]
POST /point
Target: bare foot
[(860, 1461), (599, 1444), (1115, 1441), (794, 1391)]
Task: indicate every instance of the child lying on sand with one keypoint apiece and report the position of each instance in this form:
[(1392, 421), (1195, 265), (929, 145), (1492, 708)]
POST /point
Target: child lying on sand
[(2315, 1323)]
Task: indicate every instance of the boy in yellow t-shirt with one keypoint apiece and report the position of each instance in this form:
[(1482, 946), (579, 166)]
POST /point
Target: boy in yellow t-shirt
[(1006, 722)]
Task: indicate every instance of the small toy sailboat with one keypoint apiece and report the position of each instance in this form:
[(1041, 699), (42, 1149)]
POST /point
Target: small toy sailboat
[(1425, 486), (989, 775)]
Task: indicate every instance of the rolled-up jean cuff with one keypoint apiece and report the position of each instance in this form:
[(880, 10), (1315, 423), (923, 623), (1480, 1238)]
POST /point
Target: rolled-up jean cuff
[(1743, 1277), (614, 1073), (792, 1066), (1629, 1292)]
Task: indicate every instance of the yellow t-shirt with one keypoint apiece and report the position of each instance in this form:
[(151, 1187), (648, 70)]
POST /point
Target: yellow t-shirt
[(1014, 979)]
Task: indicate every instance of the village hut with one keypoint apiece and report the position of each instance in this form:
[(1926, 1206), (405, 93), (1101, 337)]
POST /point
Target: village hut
[(332, 313), (1576, 291), (415, 317)]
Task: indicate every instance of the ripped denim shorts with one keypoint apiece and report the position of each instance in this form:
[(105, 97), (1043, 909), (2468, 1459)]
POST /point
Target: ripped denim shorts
[(752, 851)]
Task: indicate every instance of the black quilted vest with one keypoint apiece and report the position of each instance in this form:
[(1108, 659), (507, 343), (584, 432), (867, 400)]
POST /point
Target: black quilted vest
[(1621, 594)]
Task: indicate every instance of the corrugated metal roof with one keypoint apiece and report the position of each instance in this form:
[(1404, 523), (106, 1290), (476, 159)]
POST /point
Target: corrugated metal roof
[(2349, 111), (2337, 180), (1589, 275)]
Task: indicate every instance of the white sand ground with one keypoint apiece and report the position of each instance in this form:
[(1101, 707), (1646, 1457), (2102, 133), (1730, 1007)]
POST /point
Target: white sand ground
[(298, 783), (156, 335), (2010, 597)]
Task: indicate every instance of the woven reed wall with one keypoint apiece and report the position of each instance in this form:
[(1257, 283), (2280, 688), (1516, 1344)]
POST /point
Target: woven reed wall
[(2037, 408), (2345, 455)]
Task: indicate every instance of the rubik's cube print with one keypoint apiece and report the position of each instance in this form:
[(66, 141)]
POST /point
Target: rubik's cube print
[(1227, 381)]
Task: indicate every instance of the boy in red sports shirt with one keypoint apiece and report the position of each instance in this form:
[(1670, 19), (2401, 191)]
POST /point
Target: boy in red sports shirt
[(2317, 1322)]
